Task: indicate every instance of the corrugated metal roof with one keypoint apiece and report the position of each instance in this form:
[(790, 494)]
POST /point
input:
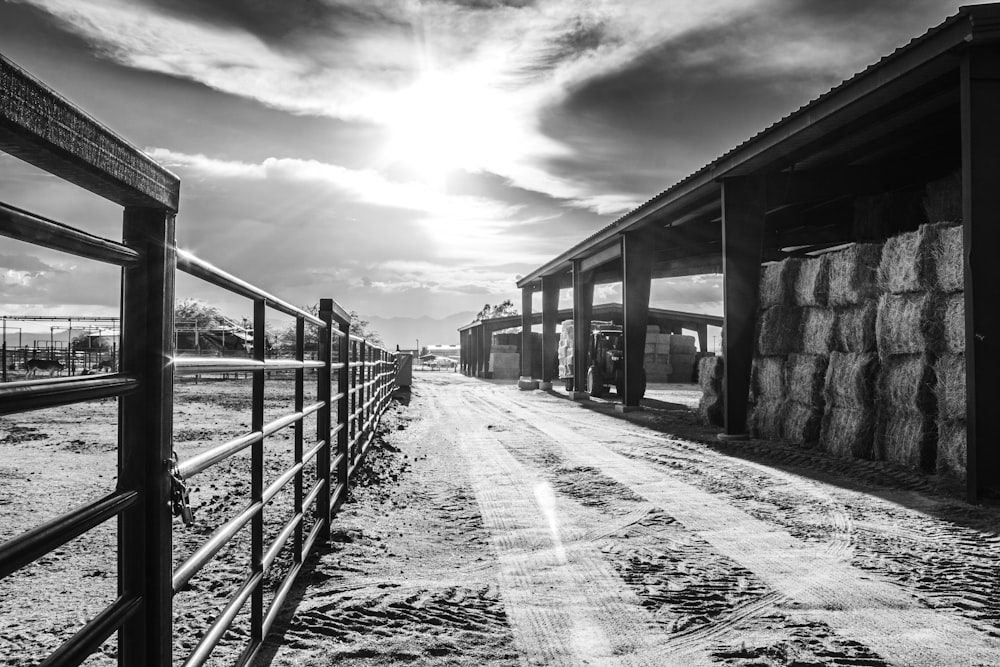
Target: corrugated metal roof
[(717, 167)]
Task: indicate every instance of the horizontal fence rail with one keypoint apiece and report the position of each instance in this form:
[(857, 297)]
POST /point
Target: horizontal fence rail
[(353, 382)]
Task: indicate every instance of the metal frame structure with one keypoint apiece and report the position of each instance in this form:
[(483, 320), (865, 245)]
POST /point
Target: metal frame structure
[(42, 128), (476, 337), (917, 115)]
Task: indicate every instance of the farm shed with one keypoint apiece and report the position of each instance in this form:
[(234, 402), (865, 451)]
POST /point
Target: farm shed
[(477, 337), (911, 138)]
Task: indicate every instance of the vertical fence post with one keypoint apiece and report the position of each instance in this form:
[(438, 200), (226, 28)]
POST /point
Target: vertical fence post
[(323, 420), (362, 397), (299, 434), (343, 387), (145, 424), (257, 476)]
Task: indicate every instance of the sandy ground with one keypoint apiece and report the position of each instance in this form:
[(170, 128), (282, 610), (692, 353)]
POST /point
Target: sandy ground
[(498, 527)]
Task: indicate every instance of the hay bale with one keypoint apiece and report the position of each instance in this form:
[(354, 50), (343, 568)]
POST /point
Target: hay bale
[(951, 312), (780, 331), (711, 370), (801, 423), (908, 324), (818, 329), (852, 274), (850, 380), (907, 438), (767, 379), (681, 368), (767, 419), (777, 282), (906, 383), (805, 377), (943, 198), (712, 409), (907, 261), (681, 344), (949, 264), (847, 432), (951, 448), (854, 330), (950, 387), (812, 285)]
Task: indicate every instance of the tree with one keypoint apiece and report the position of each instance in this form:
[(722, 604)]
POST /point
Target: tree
[(87, 342), (504, 309), (199, 314), (359, 327), (362, 328)]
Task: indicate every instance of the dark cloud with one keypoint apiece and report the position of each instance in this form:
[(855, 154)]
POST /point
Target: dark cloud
[(282, 20), (491, 4), (578, 39), (681, 104)]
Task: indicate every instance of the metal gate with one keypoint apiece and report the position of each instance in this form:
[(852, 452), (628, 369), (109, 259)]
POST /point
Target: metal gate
[(40, 127)]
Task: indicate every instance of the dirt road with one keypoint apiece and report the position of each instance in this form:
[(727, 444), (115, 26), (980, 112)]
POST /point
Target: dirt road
[(500, 527)]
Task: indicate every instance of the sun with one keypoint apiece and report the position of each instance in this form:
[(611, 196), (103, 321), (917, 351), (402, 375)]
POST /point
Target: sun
[(438, 125)]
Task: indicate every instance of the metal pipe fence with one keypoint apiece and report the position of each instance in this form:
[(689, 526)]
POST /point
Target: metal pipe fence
[(351, 395)]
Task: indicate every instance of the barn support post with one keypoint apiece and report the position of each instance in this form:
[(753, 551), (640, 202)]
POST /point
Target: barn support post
[(583, 304), (482, 361), (637, 276), (526, 381), (702, 330), (550, 337), (474, 337), (477, 346), (743, 209), (145, 436), (980, 101), (487, 349), (324, 417)]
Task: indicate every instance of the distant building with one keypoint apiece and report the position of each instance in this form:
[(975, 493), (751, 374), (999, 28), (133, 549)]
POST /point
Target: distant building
[(448, 351)]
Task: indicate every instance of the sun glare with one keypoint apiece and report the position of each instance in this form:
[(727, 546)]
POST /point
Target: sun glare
[(438, 125)]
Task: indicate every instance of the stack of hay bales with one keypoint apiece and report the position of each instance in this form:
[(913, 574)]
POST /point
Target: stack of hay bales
[(908, 337), (566, 349), (711, 408), (849, 414), (778, 336), (681, 361), (806, 371), (656, 357), (505, 357), (950, 366)]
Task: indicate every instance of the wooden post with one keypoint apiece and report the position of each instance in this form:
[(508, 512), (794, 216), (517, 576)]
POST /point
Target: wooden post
[(980, 100), (526, 381), (323, 418), (743, 209), (145, 436), (583, 303), (550, 337), (637, 275)]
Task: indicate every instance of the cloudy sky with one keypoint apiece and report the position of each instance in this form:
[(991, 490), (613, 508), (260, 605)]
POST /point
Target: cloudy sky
[(413, 157)]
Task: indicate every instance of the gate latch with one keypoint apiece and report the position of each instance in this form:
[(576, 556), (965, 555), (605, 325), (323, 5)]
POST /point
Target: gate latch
[(180, 497)]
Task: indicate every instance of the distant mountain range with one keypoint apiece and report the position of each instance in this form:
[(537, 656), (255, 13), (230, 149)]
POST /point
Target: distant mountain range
[(404, 331)]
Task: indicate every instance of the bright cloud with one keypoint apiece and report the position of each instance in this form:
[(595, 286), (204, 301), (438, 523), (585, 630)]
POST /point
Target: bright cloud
[(458, 88)]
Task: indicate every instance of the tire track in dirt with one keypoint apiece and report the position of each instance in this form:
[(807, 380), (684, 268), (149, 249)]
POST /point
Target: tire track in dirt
[(566, 603), (824, 586), (876, 517), (689, 590)]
